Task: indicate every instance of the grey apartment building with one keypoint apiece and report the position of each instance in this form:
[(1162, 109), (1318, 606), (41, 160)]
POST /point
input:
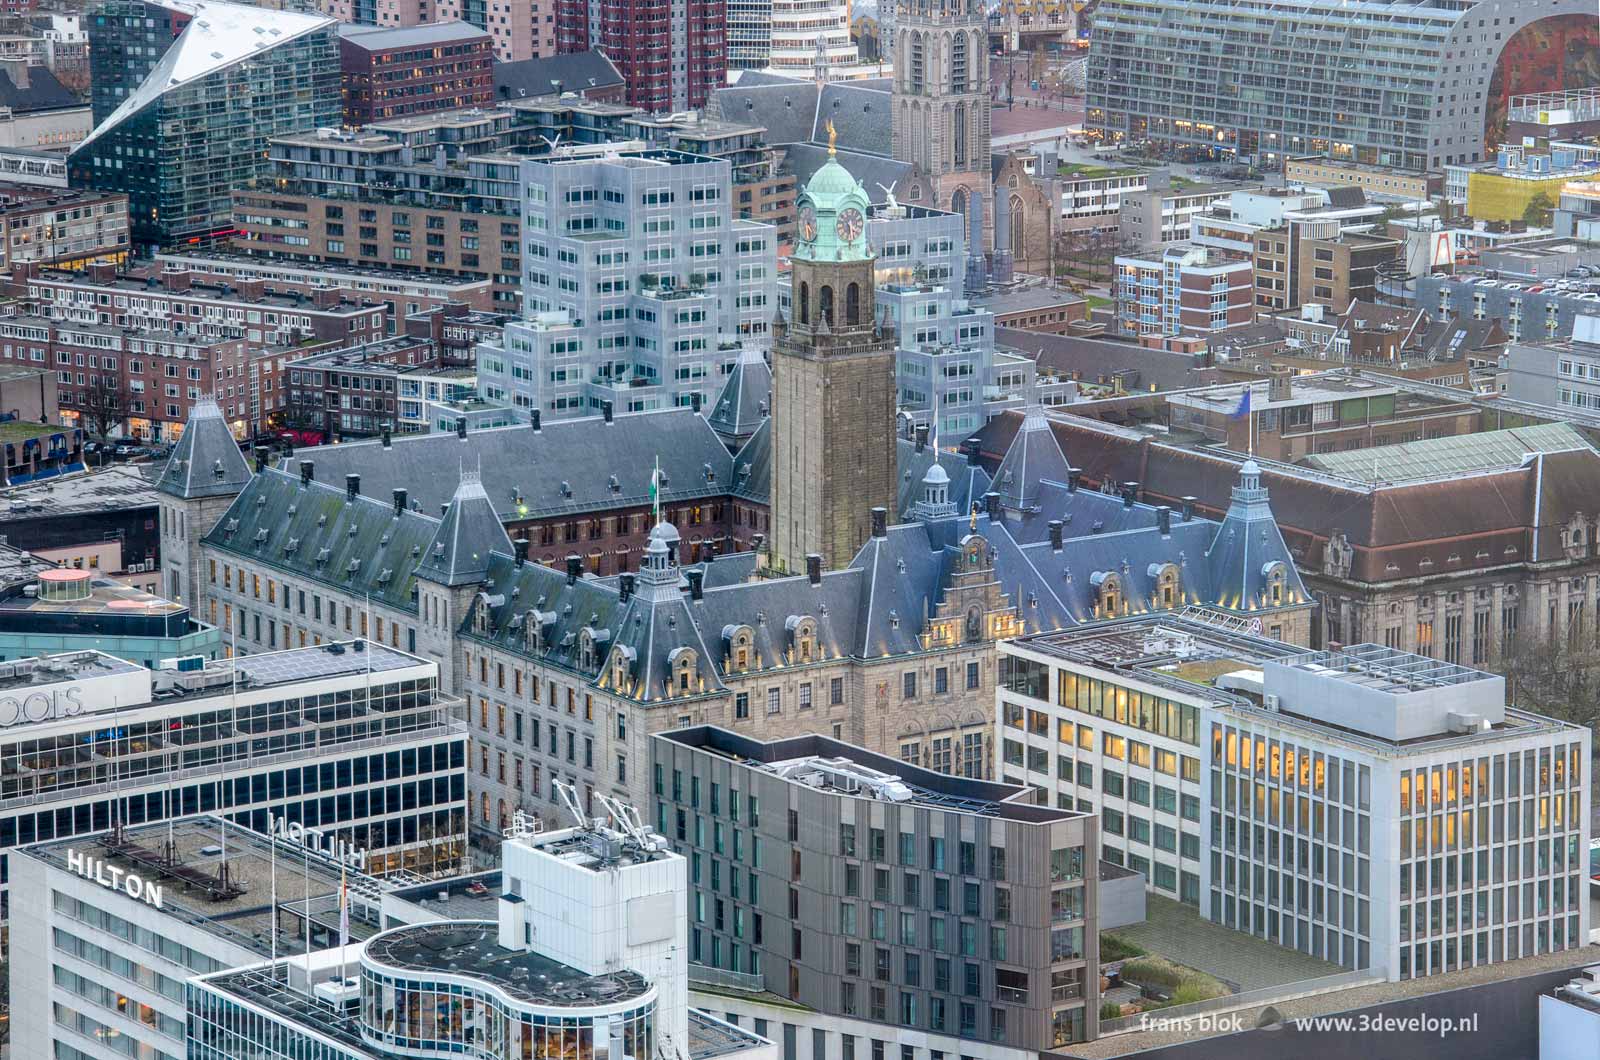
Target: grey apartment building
[(1382, 810), (900, 906), (1563, 373), (639, 285)]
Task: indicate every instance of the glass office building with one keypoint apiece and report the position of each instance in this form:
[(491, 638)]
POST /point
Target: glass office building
[(1411, 85), (186, 97)]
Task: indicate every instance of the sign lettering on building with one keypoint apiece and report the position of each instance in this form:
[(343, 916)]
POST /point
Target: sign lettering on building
[(114, 879), (41, 706), (315, 839)]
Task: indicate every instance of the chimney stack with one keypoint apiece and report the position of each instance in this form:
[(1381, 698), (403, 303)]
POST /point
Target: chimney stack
[(1130, 491), (880, 522), (1188, 508), (307, 472), (1279, 387), (694, 402), (1164, 520), (461, 428), (814, 567), (696, 578), (991, 505), (399, 502), (1055, 535), (386, 438), (352, 487), (261, 458), (1073, 475), (971, 449), (606, 410), (922, 437), (756, 541), (624, 588), (574, 567), (533, 418), (521, 547)]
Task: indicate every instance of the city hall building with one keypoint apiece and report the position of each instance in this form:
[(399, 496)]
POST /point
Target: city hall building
[(351, 745), (1374, 808)]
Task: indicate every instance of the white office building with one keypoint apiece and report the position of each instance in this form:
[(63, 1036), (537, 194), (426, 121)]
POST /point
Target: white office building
[(583, 957), (1377, 809)]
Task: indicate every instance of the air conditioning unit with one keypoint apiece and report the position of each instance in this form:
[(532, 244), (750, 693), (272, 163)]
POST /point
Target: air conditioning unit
[(1270, 701)]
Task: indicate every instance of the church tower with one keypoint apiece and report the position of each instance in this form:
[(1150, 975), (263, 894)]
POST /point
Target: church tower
[(941, 102), (833, 389)]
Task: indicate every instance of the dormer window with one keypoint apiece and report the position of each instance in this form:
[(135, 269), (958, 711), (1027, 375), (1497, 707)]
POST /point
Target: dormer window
[(802, 638)]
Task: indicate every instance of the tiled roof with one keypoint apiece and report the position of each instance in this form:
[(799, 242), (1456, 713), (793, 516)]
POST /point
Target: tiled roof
[(469, 531)]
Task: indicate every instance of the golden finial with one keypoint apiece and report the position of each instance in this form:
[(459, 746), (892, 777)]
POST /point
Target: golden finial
[(833, 138)]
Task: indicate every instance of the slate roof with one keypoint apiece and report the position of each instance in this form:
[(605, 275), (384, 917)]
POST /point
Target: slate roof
[(1034, 457), (577, 71), (1458, 523), (358, 547), (968, 481), (871, 170), (468, 533), (44, 92), (206, 462), (1096, 359), (752, 465), (743, 403), (798, 112), (565, 467)]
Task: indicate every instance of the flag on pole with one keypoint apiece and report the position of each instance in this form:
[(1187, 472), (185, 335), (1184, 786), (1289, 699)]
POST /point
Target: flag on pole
[(344, 911), (655, 492), (1244, 405)]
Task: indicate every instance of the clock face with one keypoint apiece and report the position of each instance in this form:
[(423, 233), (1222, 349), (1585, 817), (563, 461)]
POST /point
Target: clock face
[(807, 219), (850, 225)]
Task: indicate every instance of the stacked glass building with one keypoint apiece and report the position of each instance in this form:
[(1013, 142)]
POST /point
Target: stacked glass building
[(186, 96), (1386, 82)]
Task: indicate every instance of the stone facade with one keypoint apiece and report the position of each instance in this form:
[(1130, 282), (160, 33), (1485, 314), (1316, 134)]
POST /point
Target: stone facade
[(941, 105)]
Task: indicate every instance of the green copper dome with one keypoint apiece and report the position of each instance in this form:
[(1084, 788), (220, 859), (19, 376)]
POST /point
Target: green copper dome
[(831, 215)]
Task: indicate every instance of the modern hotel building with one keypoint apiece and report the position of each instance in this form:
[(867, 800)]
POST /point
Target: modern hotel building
[(1377, 809), (352, 740)]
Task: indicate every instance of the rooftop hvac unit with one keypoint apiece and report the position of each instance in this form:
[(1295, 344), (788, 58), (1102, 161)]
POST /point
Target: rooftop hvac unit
[(1270, 701)]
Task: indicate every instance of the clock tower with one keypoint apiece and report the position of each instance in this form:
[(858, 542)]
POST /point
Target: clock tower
[(833, 388)]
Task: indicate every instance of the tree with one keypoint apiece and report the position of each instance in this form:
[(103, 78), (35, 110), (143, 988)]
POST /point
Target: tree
[(1538, 211), (105, 403), (1555, 676)]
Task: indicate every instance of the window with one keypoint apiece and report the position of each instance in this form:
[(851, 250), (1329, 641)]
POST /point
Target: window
[(836, 691), (774, 700)]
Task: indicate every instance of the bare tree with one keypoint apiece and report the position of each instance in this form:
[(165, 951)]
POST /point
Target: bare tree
[(1556, 676), (105, 403)]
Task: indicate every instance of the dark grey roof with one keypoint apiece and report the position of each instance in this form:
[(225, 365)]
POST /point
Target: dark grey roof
[(860, 115), (1343, 196), (378, 38), (359, 547), (743, 403), (206, 462), (968, 481), (1034, 457), (871, 170), (787, 111), (576, 71), (569, 466), (469, 531), (44, 92), (752, 465), (1096, 359)]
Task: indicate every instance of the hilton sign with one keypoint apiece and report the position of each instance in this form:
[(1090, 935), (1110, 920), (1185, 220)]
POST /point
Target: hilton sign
[(329, 846), (114, 879)]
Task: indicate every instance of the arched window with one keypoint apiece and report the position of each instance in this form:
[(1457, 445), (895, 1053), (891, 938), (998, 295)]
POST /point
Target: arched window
[(958, 63), (825, 305), (852, 304), (1017, 210), (805, 303), (960, 124)]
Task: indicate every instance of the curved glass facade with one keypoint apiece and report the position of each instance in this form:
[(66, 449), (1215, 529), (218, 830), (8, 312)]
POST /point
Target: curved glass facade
[(476, 1011)]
